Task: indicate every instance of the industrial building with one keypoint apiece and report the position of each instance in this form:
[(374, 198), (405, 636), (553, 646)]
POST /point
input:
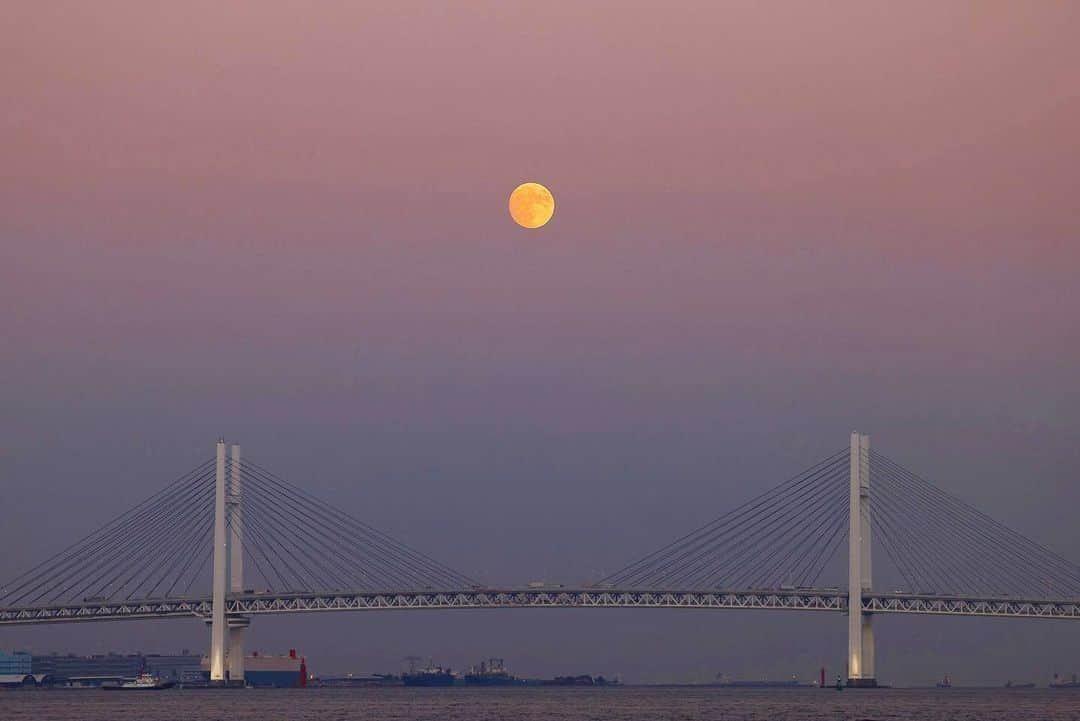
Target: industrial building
[(15, 670), (184, 667), (95, 670), (15, 663)]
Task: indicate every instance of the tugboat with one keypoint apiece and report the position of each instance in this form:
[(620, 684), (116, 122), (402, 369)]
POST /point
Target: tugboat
[(945, 682), (491, 673), (144, 682), (431, 676)]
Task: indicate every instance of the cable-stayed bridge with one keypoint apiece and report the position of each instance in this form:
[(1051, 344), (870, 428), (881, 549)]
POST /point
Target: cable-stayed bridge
[(230, 540)]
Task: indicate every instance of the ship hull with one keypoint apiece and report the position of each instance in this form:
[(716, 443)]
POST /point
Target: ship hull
[(156, 687), (506, 681), (428, 680)]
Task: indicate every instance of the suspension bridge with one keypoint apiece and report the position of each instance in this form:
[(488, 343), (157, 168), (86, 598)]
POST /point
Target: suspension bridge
[(231, 540)]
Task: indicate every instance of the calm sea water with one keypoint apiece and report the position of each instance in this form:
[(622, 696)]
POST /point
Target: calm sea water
[(558, 704)]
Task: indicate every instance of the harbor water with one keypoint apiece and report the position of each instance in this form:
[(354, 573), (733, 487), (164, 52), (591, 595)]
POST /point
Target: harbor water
[(543, 704)]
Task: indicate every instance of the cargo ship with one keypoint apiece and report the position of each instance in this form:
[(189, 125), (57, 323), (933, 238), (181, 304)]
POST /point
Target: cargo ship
[(261, 671), (492, 672), (431, 676), (1010, 684)]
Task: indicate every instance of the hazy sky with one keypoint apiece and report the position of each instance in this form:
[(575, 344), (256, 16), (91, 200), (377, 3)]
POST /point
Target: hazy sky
[(286, 222)]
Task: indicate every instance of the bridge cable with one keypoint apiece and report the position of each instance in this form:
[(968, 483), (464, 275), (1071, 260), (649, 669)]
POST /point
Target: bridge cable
[(752, 531), (1023, 549), (745, 533), (134, 549), (323, 542), (702, 535), (770, 518), (960, 532), (335, 558), (405, 559), (47, 577)]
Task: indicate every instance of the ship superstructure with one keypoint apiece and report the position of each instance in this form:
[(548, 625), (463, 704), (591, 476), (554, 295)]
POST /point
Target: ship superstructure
[(431, 675), (492, 672)]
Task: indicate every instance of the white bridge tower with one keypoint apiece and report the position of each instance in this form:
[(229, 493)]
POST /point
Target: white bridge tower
[(860, 630), (228, 571)]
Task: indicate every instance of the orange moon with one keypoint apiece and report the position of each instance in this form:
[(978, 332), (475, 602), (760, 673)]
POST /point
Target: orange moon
[(531, 205)]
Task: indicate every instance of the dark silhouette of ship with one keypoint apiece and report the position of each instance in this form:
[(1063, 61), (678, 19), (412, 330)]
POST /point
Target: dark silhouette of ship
[(1059, 682), (431, 675), (582, 680), (492, 672)]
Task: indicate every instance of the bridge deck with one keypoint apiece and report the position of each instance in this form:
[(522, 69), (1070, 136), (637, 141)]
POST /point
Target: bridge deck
[(809, 599)]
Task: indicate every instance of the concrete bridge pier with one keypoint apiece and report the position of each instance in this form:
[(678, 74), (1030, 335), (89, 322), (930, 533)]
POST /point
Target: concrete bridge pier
[(227, 632), (860, 628)]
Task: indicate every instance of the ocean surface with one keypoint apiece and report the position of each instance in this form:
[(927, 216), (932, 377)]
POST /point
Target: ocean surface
[(555, 704)]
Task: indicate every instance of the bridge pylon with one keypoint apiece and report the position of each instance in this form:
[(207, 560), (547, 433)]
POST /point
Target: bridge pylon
[(236, 567), (860, 628), (227, 632), (221, 560)]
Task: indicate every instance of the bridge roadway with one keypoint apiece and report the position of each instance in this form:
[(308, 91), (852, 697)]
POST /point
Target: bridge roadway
[(799, 599)]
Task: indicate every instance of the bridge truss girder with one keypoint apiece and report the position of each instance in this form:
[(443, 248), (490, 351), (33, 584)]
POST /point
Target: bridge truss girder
[(765, 599)]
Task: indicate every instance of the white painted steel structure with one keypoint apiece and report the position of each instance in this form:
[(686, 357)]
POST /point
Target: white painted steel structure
[(821, 599), (227, 629), (221, 563), (237, 625), (860, 573), (229, 608)]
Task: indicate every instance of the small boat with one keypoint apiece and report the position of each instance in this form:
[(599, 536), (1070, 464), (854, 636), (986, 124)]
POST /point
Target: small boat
[(144, 682)]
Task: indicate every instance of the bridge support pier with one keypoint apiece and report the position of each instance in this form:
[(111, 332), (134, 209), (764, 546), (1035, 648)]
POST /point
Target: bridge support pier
[(221, 558), (227, 633), (860, 628)]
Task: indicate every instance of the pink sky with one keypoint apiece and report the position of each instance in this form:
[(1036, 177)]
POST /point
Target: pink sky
[(941, 134), (959, 114), (873, 187)]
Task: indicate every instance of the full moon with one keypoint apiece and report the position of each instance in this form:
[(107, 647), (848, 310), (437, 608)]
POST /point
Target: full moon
[(531, 205)]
